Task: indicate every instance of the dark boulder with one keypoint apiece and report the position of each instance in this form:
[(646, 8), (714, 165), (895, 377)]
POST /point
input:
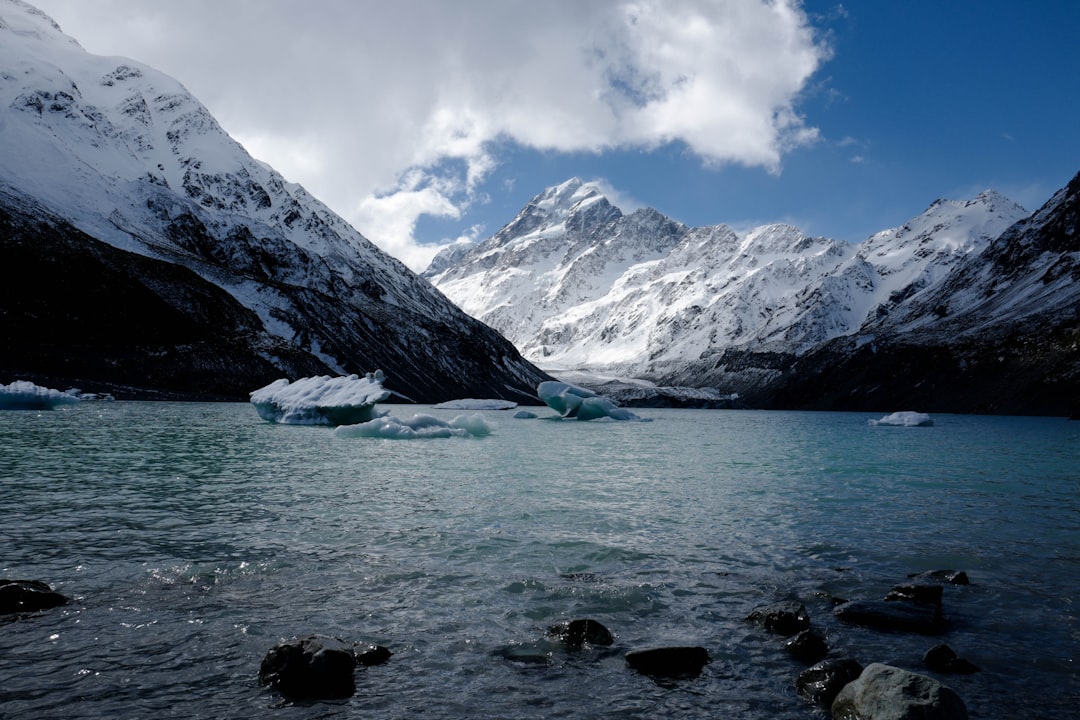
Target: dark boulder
[(883, 692), (669, 662), (808, 647), (783, 618), (310, 667), (821, 683), (19, 596), (368, 654), (943, 659), (893, 616), (578, 633)]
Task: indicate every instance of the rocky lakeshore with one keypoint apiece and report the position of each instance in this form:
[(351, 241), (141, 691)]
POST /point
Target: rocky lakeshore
[(317, 667)]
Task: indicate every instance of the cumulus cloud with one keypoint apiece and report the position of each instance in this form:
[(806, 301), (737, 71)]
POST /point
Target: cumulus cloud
[(392, 110)]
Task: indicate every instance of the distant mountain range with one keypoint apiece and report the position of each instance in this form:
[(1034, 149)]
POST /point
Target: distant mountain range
[(970, 307), (148, 255)]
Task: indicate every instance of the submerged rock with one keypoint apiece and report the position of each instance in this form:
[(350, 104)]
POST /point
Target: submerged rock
[(578, 633), (783, 618), (686, 661), (949, 577), (310, 667), (883, 692), (912, 592), (894, 616), (18, 596), (821, 683)]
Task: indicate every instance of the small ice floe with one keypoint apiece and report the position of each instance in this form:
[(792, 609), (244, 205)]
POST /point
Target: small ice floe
[(321, 400), (905, 418), (473, 404), (25, 395), (571, 401), (417, 428)]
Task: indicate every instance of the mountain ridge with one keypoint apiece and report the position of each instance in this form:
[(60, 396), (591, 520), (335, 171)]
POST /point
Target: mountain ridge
[(108, 149), (745, 313)]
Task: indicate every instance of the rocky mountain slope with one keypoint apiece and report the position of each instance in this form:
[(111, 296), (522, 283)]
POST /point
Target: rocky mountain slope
[(152, 256), (913, 315)]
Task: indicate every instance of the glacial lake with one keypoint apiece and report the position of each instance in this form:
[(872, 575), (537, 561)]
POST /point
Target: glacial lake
[(192, 537)]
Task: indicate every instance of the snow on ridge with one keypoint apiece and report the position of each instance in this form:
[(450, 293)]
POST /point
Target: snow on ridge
[(623, 302)]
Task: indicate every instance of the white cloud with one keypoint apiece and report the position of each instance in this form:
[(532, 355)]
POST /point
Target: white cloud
[(390, 110)]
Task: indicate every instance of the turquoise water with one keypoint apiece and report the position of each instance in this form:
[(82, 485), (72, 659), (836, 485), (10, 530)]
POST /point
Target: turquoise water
[(192, 537)]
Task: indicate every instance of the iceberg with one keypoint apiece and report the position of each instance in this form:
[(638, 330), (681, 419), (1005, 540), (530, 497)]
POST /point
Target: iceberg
[(25, 395), (905, 418), (474, 404), (321, 400), (418, 427), (571, 401)]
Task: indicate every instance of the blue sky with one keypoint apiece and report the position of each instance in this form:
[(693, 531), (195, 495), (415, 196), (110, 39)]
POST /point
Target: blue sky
[(423, 121)]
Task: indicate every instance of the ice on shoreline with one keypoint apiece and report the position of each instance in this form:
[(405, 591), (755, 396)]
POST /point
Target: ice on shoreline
[(321, 400), (571, 401), (25, 395), (905, 418)]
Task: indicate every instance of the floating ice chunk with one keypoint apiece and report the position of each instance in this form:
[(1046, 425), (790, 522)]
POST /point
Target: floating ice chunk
[(418, 427), (25, 395), (472, 404), (905, 418), (572, 401), (525, 415), (321, 400)]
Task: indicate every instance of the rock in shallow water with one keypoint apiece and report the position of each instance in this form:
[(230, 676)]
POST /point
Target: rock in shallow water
[(669, 661), (18, 596), (883, 692), (317, 666), (821, 683), (783, 618), (578, 633), (890, 615)]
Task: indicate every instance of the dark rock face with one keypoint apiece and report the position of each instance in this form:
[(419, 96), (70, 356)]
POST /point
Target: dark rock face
[(19, 596), (671, 662), (784, 618), (821, 683), (883, 692), (581, 632), (310, 667), (141, 327), (949, 577), (892, 616)]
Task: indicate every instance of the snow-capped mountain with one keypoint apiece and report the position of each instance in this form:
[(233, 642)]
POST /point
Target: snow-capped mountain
[(105, 150), (579, 286)]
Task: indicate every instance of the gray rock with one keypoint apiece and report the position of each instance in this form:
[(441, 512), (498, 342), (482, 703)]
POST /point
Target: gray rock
[(883, 692)]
